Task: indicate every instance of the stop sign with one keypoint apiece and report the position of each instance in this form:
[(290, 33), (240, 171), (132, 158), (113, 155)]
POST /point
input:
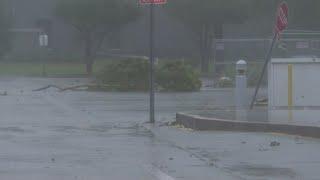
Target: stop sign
[(282, 17)]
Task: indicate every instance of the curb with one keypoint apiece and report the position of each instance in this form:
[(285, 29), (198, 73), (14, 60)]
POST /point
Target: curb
[(204, 124)]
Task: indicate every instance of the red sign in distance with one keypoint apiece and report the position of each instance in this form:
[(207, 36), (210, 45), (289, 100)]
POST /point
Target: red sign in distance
[(143, 2), (282, 17)]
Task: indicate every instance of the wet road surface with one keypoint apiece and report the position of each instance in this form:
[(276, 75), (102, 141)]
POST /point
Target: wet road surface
[(90, 135)]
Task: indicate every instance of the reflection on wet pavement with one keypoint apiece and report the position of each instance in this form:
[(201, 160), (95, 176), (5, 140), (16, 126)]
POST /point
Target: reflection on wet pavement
[(92, 135)]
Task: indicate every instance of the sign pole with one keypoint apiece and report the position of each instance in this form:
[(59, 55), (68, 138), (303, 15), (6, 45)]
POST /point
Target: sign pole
[(268, 58), (152, 83), (152, 4)]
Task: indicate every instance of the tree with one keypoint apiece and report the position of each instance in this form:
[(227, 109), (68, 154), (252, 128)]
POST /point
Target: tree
[(206, 19), (95, 19), (5, 35)]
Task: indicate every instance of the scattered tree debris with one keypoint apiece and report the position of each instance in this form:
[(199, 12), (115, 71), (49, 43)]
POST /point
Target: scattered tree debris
[(262, 102), (92, 87), (262, 148), (72, 88), (47, 87), (274, 144), (174, 123)]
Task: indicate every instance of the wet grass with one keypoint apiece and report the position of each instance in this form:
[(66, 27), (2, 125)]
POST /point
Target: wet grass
[(52, 69)]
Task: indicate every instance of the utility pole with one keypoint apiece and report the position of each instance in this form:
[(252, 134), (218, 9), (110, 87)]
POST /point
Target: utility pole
[(152, 83)]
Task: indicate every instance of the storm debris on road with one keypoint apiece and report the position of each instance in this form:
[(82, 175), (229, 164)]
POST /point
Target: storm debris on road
[(274, 144), (84, 87), (47, 87)]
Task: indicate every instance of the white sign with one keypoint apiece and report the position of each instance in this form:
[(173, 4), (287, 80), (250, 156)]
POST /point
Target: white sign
[(43, 40)]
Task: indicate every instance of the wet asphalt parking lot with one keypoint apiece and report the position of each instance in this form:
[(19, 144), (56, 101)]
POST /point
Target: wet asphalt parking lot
[(104, 135)]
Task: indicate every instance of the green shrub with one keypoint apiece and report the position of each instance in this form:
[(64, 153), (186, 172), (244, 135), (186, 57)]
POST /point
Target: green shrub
[(133, 75), (176, 76), (126, 75)]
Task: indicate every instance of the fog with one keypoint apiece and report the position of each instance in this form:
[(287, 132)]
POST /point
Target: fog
[(159, 89)]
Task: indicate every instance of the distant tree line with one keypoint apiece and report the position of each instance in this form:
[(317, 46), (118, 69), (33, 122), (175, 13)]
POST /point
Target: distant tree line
[(96, 19), (206, 18), (5, 35)]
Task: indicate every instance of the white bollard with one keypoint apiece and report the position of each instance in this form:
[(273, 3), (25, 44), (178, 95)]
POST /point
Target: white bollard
[(241, 90)]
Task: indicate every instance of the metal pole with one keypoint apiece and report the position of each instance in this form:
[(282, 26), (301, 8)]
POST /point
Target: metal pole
[(268, 57), (44, 73), (152, 91)]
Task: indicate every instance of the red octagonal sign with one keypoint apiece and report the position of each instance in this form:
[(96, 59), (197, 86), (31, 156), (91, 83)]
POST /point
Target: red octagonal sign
[(282, 18), (152, 2)]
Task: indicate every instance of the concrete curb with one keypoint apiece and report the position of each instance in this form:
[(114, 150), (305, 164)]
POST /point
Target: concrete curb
[(203, 124)]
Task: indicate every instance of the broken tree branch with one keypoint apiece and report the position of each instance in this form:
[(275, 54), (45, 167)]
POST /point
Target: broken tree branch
[(77, 87)]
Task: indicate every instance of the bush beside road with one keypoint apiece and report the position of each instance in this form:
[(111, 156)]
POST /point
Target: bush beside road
[(133, 75)]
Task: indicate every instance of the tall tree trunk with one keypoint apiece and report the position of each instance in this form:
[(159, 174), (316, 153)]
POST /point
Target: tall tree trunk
[(209, 46), (204, 49), (206, 41), (209, 37), (219, 54), (88, 53)]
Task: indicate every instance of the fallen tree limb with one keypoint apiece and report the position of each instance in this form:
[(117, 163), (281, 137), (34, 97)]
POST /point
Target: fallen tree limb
[(74, 88), (47, 87)]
